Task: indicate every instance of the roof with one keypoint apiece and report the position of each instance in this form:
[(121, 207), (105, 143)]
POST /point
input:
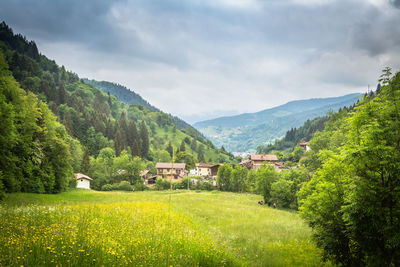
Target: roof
[(168, 165), (204, 165), (82, 176), (304, 144), (264, 157), (144, 172)]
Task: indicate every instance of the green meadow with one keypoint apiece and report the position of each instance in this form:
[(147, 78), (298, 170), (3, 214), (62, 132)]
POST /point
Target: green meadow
[(181, 228)]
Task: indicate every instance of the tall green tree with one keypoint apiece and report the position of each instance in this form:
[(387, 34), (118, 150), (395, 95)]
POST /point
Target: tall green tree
[(352, 202), (170, 149), (224, 178), (85, 165), (238, 179), (182, 147), (144, 138), (265, 176)]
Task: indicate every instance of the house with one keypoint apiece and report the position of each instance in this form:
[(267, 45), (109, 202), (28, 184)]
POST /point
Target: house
[(164, 170), (214, 170), (82, 181), (279, 166), (246, 163), (204, 170), (305, 146), (258, 160)]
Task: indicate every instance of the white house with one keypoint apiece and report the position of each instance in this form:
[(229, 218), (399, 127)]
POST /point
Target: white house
[(205, 170), (82, 181)]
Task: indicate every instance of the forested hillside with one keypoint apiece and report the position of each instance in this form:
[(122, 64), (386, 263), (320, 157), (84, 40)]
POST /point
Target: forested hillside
[(35, 150), (121, 92), (101, 125), (295, 135), (127, 96), (352, 201)]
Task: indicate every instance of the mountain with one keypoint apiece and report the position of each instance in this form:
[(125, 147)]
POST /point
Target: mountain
[(121, 92), (128, 96), (96, 119), (245, 132)]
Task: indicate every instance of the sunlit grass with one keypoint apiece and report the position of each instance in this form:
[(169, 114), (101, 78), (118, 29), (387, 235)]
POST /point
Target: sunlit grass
[(151, 228)]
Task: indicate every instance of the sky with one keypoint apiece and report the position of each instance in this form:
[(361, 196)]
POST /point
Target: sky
[(201, 59)]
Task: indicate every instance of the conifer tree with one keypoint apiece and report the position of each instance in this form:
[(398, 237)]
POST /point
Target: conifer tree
[(85, 166), (118, 142), (182, 148), (144, 138), (170, 149), (201, 158)]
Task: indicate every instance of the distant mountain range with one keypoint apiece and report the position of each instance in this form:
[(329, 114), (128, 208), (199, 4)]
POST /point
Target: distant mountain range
[(244, 132)]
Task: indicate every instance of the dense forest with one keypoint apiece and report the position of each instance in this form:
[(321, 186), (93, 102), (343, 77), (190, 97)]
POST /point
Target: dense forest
[(129, 97), (295, 135), (352, 201), (96, 126)]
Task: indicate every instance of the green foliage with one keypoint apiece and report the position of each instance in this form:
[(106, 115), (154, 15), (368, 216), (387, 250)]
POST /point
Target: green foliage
[(183, 184), (265, 176), (35, 153), (2, 190), (185, 157), (162, 184), (97, 119), (238, 179), (352, 200), (85, 165), (207, 186), (224, 177), (140, 186), (123, 186)]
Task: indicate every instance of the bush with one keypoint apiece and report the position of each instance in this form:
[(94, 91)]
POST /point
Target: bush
[(125, 186), (140, 186), (207, 186), (183, 184), (107, 187), (162, 184), (72, 183)]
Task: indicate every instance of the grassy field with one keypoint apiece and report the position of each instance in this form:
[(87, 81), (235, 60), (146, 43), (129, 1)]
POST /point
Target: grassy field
[(181, 228)]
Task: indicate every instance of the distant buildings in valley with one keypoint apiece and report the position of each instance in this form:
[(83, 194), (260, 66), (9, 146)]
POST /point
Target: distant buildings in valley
[(255, 161)]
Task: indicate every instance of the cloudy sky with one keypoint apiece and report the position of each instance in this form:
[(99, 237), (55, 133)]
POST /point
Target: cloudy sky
[(200, 59)]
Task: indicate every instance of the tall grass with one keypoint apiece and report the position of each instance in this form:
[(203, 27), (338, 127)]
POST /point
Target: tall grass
[(115, 228)]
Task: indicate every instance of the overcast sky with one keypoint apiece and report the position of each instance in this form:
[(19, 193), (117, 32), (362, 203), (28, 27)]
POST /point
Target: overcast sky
[(200, 59)]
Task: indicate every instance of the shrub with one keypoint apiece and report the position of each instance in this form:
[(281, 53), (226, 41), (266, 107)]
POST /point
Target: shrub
[(162, 184), (107, 187), (72, 182), (125, 186), (207, 186), (140, 186)]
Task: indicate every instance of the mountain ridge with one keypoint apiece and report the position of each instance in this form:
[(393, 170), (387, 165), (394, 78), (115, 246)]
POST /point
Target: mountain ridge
[(290, 103), (245, 132)]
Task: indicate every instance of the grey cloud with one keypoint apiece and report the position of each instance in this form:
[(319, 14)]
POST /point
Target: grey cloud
[(396, 3), (378, 33), (193, 48)]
